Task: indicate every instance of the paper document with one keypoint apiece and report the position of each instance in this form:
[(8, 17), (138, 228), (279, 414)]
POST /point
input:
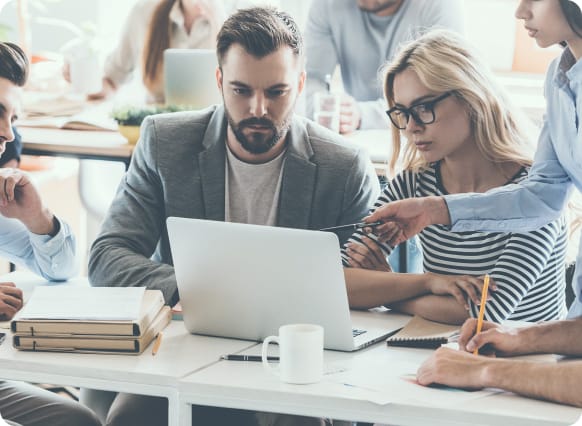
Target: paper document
[(84, 303)]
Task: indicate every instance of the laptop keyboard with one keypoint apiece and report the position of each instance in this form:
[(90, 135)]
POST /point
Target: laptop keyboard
[(357, 332)]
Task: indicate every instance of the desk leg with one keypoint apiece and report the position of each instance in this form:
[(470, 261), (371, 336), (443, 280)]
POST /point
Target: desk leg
[(174, 408), (185, 413)]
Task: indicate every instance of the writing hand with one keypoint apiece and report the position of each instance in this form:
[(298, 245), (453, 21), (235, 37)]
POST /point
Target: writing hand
[(494, 339)]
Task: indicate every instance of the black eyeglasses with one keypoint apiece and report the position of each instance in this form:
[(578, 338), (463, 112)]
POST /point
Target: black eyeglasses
[(422, 113)]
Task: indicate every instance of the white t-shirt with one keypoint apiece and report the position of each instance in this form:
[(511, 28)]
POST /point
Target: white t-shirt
[(252, 190)]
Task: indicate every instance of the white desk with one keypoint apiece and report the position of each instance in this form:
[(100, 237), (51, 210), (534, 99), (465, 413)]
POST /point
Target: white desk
[(180, 354), (187, 371), (247, 385)]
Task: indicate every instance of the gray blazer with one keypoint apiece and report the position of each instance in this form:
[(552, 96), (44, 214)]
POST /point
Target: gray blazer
[(178, 169)]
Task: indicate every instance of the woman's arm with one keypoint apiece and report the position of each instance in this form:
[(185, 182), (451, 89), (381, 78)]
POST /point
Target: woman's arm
[(368, 289), (445, 309)]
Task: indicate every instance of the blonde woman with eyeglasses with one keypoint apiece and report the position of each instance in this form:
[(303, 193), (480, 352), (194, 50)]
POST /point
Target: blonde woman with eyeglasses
[(461, 135)]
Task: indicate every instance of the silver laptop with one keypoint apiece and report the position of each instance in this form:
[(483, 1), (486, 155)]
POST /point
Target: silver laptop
[(190, 77), (244, 281)]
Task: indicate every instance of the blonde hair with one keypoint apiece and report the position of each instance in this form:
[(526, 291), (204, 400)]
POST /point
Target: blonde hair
[(445, 62)]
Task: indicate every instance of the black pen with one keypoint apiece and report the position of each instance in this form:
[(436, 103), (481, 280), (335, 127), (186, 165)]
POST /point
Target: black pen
[(236, 357), (353, 226)]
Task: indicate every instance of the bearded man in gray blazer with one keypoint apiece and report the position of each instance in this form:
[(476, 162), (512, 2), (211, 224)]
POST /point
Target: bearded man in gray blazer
[(251, 160)]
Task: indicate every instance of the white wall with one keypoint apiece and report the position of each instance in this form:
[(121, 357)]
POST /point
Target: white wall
[(490, 23)]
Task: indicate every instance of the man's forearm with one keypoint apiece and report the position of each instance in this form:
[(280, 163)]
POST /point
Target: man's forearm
[(560, 382), (559, 337)]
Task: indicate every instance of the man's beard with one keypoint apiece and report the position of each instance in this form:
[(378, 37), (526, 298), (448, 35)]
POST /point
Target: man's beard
[(258, 142)]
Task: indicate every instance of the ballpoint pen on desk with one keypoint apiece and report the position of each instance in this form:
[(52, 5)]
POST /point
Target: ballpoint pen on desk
[(352, 226), (482, 309), (238, 357), (157, 344)]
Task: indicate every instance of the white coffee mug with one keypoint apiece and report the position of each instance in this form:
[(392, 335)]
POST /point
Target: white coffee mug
[(300, 353), (85, 74)]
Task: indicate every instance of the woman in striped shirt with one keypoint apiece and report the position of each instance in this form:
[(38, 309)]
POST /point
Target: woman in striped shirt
[(463, 136)]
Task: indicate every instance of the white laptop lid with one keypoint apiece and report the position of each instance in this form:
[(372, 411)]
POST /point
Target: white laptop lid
[(190, 77), (245, 281)]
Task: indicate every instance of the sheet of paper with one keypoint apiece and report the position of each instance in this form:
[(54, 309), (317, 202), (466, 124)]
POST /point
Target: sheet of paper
[(382, 386), (84, 303)]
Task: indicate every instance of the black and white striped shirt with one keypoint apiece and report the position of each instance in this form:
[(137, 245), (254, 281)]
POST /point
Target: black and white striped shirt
[(528, 268)]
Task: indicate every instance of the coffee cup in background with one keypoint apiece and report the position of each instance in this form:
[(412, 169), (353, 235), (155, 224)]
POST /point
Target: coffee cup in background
[(327, 110)]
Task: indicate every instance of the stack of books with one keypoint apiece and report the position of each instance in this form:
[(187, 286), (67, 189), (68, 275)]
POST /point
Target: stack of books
[(90, 320)]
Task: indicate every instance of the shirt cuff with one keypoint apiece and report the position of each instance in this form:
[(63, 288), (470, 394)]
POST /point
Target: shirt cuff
[(48, 244)]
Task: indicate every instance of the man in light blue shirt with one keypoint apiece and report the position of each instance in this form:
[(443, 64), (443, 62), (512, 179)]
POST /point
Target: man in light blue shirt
[(31, 234), (360, 36), (534, 202)]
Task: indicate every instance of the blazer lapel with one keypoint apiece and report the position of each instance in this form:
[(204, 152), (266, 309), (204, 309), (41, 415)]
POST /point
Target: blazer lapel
[(298, 183), (211, 163)]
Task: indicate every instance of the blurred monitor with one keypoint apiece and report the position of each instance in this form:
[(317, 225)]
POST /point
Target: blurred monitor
[(190, 78)]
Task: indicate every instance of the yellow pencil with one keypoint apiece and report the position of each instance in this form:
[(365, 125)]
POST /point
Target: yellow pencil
[(482, 309), (157, 344)]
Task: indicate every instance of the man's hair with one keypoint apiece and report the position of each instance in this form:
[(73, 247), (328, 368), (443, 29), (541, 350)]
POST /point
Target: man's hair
[(13, 63), (260, 31)]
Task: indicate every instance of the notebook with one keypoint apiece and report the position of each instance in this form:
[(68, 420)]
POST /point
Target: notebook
[(422, 333), (190, 78), (245, 281)]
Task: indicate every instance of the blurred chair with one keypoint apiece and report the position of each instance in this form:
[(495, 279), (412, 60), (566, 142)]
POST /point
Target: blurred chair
[(98, 182)]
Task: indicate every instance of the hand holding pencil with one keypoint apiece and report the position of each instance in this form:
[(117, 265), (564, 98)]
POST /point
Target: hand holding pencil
[(493, 339)]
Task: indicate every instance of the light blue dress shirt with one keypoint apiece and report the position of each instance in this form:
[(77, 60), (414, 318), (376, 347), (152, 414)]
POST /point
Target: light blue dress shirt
[(557, 168), (52, 258)]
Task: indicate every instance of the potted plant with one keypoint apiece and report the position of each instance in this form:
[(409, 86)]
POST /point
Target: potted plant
[(129, 118)]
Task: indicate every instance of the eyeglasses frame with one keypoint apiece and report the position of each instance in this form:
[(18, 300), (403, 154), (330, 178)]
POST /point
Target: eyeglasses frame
[(410, 112)]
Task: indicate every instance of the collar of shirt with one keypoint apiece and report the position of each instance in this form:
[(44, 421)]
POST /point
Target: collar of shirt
[(569, 70)]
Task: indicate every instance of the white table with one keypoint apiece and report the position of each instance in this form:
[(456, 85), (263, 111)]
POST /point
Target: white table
[(246, 385), (187, 371), (180, 354)]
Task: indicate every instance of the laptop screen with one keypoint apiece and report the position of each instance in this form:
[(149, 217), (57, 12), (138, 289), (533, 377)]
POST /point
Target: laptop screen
[(190, 78)]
